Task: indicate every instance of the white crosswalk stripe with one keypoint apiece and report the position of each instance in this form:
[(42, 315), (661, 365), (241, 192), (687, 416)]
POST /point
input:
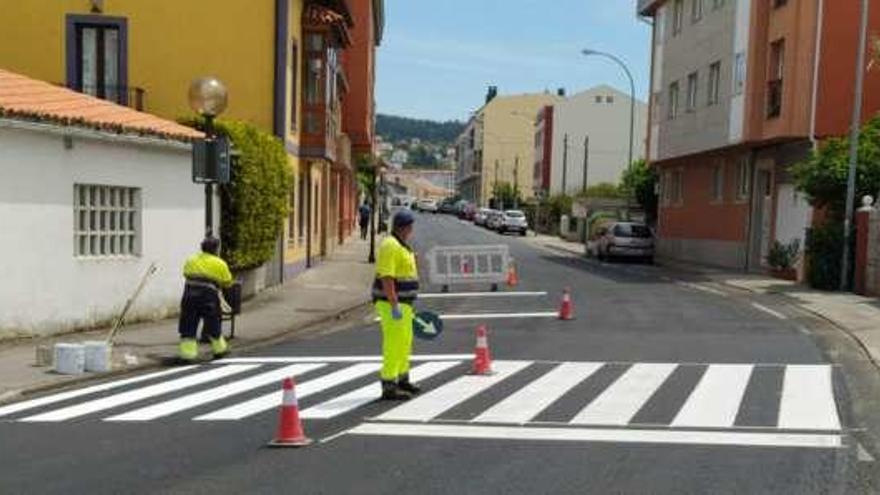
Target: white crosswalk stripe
[(63, 396), (271, 400), (435, 402), (804, 398), (529, 401), (808, 399), (623, 399), (364, 395), (140, 394), (205, 397), (715, 401)]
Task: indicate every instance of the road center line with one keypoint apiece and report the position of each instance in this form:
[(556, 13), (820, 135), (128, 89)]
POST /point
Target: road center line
[(494, 316), (451, 295), (772, 312)]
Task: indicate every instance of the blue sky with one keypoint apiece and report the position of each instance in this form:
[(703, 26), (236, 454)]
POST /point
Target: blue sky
[(438, 57)]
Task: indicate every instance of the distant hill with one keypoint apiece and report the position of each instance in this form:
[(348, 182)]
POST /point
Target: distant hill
[(394, 129)]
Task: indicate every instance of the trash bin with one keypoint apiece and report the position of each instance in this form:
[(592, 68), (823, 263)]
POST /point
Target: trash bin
[(233, 296)]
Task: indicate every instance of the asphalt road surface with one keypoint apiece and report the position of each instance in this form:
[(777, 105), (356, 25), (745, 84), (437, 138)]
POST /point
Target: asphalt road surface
[(656, 386)]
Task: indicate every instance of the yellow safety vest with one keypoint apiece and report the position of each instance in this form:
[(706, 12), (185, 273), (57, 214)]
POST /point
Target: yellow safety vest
[(398, 261), (208, 268)]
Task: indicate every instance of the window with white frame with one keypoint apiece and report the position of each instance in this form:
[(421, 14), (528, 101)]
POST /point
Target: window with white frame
[(677, 16), (107, 221), (718, 182), (673, 100), (743, 178), (692, 92), (696, 10), (714, 83), (678, 186), (739, 75)]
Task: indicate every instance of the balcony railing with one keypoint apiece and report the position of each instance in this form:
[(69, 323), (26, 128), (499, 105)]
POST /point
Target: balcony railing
[(130, 96), (774, 98)]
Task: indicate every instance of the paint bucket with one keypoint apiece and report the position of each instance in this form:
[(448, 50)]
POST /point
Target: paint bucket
[(70, 359), (98, 354), (43, 356)]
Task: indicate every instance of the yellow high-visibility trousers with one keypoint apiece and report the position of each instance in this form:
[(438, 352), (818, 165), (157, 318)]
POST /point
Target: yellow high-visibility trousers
[(397, 338)]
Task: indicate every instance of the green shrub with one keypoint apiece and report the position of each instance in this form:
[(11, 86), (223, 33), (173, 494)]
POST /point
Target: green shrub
[(255, 203), (784, 256), (825, 250)]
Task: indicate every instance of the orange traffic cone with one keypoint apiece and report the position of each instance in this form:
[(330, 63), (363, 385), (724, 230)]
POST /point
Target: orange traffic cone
[(290, 431), (482, 356), (512, 277), (566, 309)]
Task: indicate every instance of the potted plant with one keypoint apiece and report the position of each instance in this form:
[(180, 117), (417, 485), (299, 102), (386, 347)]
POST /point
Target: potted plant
[(782, 258)]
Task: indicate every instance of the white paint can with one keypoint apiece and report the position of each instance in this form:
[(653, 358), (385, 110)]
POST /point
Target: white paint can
[(70, 359), (98, 356)]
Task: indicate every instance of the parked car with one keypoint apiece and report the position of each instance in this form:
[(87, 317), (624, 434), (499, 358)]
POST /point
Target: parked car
[(513, 221), (447, 206), (481, 216), (625, 240), (494, 219), (427, 206), (467, 212)]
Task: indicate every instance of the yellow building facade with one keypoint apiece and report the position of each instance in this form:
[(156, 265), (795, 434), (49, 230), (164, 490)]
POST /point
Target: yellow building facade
[(508, 141), (146, 53)]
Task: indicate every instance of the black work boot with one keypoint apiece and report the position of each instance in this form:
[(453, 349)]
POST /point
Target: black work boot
[(404, 384), (390, 391)]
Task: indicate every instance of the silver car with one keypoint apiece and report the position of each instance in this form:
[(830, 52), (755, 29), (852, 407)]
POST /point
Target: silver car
[(625, 240), (494, 219), (513, 221)]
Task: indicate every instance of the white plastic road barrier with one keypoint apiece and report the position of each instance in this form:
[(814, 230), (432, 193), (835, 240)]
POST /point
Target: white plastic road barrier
[(468, 264), (70, 359)]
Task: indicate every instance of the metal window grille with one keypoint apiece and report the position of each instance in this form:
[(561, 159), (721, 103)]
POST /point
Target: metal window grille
[(107, 221)]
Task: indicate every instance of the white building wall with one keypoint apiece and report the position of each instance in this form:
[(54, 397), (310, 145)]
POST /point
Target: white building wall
[(607, 125), (45, 288)]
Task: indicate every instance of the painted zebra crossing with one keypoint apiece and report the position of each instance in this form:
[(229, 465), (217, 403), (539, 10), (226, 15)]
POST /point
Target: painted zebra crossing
[(515, 399)]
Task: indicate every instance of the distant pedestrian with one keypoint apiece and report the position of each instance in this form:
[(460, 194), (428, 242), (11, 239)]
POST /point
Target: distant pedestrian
[(364, 213), (206, 274), (394, 292)]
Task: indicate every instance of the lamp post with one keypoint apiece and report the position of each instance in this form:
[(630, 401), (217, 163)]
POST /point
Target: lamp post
[(377, 170), (632, 98), (208, 97), (854, 147)]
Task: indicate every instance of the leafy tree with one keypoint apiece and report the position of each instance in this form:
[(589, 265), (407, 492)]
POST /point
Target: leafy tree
[(395, 129), (601, 190), (823, 176), (505, 196), (639, 182)]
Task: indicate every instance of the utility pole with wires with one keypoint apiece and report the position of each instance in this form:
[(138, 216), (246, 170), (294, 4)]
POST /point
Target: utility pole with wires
[(586, 162), (564, 164)]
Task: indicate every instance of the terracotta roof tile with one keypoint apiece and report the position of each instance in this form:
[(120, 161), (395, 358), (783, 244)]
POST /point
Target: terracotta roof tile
[(29, 99)]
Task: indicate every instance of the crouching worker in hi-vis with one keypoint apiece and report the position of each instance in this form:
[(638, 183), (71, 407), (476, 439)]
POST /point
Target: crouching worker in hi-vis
[(206, 274), (394, 292)]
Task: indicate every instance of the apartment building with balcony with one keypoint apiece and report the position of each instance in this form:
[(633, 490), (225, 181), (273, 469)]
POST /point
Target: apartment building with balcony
[(497, 146), (740, 91)]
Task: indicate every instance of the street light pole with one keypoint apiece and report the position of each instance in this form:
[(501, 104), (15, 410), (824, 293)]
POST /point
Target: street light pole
[(564, 163), (374, 199), (854, 147), (516, 183), (632, 98), (209, 186), (586, 161)]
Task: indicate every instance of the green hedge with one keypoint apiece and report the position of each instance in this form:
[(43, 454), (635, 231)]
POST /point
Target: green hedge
[(256, 202), (825, 249)]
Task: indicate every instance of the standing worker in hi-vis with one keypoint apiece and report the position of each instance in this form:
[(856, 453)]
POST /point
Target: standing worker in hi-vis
[(394, 292), (206, 274)]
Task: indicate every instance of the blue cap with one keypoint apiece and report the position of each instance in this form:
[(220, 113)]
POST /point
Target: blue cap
[(403, 218)]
